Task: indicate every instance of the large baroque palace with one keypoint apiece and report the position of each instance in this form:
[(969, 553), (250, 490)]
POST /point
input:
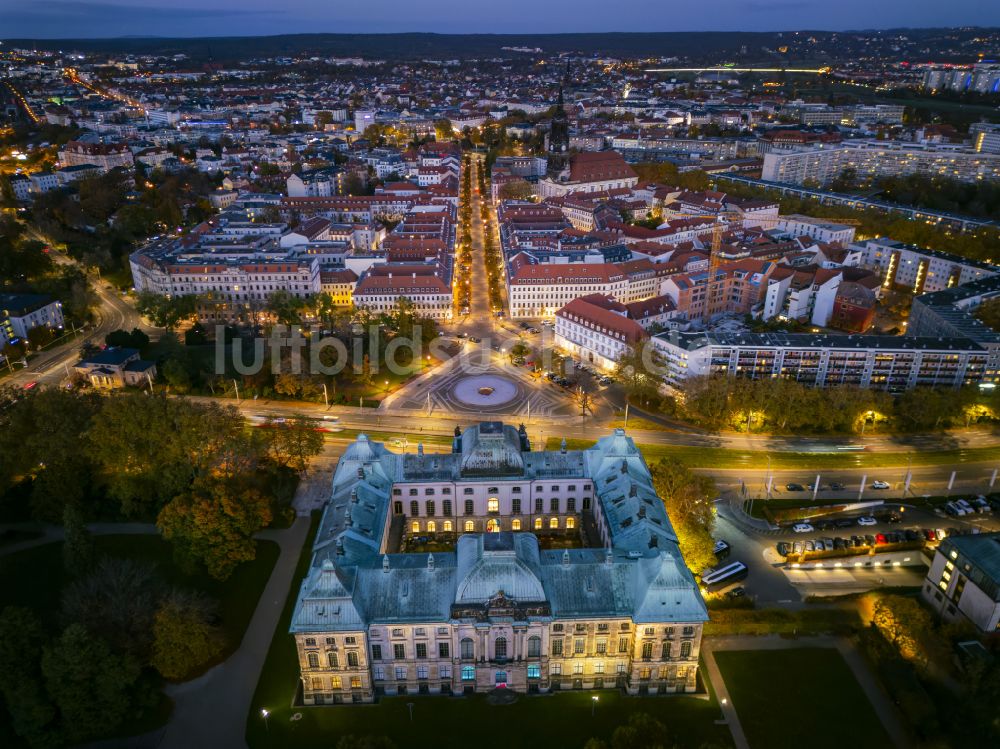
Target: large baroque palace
[(495, 610)]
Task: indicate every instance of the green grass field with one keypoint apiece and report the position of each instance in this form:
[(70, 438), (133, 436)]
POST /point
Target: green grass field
[(720, 457), (560, 721), (805, 697)]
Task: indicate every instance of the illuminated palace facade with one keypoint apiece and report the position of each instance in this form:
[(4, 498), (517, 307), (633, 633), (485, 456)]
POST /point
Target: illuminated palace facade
[(495, 610)]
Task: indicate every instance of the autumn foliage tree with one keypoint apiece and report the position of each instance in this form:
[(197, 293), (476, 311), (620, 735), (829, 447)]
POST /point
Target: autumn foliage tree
[(184, 637), (688, 501), (213, 524)]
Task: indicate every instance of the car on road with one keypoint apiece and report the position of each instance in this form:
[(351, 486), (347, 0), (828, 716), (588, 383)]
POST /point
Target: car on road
[(803, 528), (880, 484), (836, 486), (737, 592), (822, 487), (30, 385), (475, 339), (794, 488), (721, 549), (605, 380), (867, 520)]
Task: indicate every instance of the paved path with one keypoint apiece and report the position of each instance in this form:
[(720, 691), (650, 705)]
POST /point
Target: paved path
[(209, 711), (214, 707), (879, 699)]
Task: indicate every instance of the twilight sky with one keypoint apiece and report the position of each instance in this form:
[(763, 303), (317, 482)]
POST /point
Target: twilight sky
[(110, 18)]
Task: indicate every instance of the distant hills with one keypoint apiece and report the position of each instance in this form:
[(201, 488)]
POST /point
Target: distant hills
[(698, 46)]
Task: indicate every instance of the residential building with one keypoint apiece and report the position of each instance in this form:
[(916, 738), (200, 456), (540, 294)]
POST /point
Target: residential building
[(20, 313), (963, 581), (115, 368), (918, 269)]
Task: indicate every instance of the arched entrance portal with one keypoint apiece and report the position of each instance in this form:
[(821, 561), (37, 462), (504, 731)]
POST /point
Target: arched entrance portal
[(492, 526)]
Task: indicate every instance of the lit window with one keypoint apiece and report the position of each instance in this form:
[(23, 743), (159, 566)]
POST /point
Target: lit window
[(553, 522), (415, 527), (570, 523), (468, 673), (447, 526), (534, 671), (493, 505), (355, 682), (431, 526), (538, 524), (469, 526), (515, 524), (335, 682)]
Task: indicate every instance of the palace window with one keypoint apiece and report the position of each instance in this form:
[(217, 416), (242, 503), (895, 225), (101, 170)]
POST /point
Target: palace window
[(444, 672), (577, 668), (602, 647), (467, 649), (352, 659), (331, 658), (553, 522), (378, 673), (557, 647), (400, 673), (647, 651), (469, 526), (493, 505), (515, 506), (468, 673), (665, 652), (399, 651), (534, 647), (534, 671), (313, 660), (335, 682), (415, 526), (570, 523), (578, 645), (554, 504), (500, 647), (538, 505), (443, 649), (538, 524), (414, 509), (555, 669), (599, 667), (431, 526), (376, 652), (421, 672), (430, 508), (469, 507), (421, 650), (446, 506), (447, 526), (685, 649), (355, 682), (515, 524)]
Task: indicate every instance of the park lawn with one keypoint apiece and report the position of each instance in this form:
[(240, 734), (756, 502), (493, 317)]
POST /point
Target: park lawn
[(720, 457), (237, 597), (799, 697), (555, 722)]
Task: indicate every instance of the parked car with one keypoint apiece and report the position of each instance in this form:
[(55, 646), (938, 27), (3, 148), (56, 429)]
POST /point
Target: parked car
[(869, 539), (803, 528), (892, 517), (911, 535), (810, 546), (867, 520), (794, 487), (797, 547), (837, 486), (981, 505), (880, 539), (965, 506), (828, 544), (737, 592), (838, 543), (880, 485), (844, 522), (784, 548), (929, 535)]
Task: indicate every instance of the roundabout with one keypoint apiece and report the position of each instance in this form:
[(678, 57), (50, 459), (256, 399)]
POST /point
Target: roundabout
[(485, 391)]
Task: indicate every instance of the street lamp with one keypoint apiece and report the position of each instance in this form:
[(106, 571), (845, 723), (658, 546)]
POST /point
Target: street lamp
[(593, 705), (264, 713)]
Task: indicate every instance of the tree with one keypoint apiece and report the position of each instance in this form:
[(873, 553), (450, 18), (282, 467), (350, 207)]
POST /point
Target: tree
[(350, 741), (688, 501), (294, 442), (39, 336), (906, 624), (989, 313), (642, 731), (31, 710), (91, 685), (176, 375), (165, 312), (136, 339), (213, 524), (634, 370), (184, 638), (286, 307), (78, 545), (115, 602), (518, 189)]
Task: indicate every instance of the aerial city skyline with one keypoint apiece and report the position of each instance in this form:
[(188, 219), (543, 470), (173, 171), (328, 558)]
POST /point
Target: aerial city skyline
[(499, 386)]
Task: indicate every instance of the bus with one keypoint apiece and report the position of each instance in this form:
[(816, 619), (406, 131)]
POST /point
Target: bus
[(724, 576)]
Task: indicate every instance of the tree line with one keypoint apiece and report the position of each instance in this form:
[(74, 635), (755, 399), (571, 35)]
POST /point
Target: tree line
[(208, 480)]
